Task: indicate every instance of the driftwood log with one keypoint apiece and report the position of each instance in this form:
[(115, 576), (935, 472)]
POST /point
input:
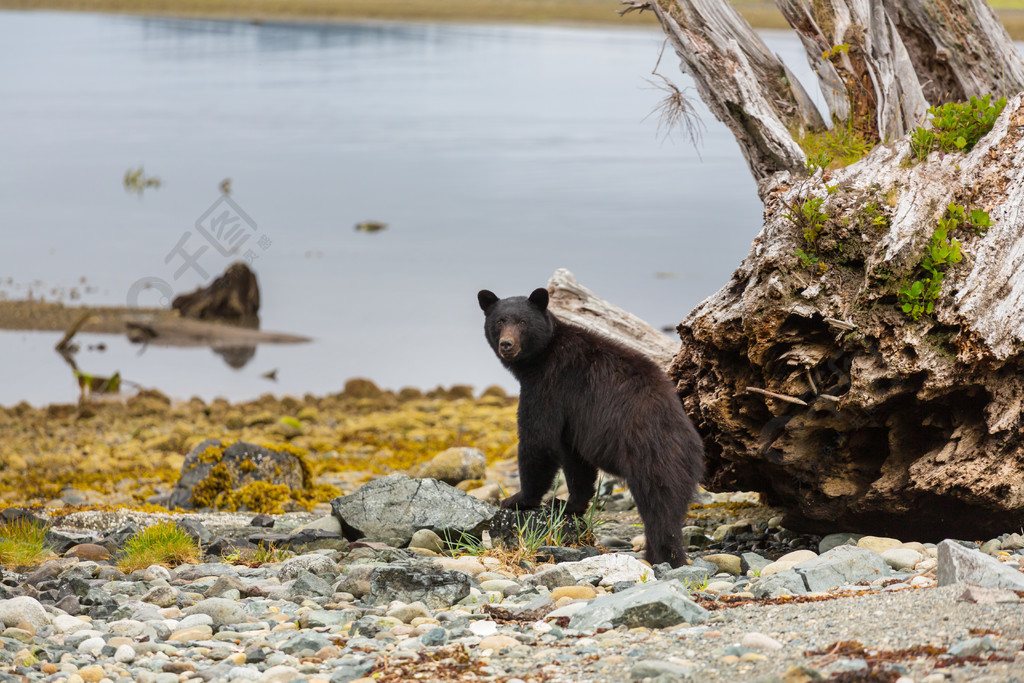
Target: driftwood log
[(805, 376), (574, 303), (234, 298)]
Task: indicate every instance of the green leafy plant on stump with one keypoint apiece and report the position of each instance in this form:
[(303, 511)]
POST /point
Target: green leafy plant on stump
[(23, 542), (918, 298), (810, 261), (810, 219), (164, 544), (956, 126), (840, 145)]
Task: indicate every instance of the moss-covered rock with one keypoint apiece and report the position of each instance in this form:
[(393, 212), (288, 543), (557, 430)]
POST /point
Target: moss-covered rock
[(211, 473)]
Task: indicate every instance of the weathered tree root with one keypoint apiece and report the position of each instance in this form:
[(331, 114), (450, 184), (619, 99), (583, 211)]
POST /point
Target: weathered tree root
[(911, 428)]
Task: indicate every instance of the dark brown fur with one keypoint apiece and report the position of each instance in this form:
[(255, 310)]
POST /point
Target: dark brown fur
[(588, 403)]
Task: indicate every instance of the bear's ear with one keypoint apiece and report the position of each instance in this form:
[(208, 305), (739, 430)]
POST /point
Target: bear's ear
[(487, 298), (539, 298)]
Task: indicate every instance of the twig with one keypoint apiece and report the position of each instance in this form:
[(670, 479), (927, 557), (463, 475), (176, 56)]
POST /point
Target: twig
[(782, 397), (828, 657), (62, 345), (637, 6), (810, 381), (830, 397)]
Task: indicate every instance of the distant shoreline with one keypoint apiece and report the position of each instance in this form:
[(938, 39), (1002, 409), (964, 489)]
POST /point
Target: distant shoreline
[(760, 13)]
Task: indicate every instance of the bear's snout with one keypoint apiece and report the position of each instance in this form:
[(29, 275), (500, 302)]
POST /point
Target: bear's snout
[(507, 348)]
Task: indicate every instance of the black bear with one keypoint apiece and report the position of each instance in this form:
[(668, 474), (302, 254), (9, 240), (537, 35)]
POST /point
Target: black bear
[(588, 403)]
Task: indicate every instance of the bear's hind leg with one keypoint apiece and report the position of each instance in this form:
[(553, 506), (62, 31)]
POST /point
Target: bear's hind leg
[(662, 513)]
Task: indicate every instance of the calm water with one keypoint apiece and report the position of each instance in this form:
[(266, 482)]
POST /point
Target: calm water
[(495, 154)]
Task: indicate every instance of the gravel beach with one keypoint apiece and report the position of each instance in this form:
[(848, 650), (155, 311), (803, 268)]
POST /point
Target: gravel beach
[(368, 612), (757, 602)]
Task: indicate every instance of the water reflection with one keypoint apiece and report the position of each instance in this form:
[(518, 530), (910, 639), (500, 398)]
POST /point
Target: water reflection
[(494, 154)]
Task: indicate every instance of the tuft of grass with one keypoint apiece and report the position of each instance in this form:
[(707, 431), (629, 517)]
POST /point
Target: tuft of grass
[(23, 543), (465, 544), (264, 553), (588, 522), (541, 530), (511, 559), (840, 145), (164, 544)]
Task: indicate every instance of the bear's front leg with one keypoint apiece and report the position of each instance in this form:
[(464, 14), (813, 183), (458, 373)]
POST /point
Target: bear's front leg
[(516, 502), (537, 469)]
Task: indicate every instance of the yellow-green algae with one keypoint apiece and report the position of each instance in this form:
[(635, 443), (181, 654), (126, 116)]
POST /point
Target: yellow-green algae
[(128, 451), (259, 496), (207, 491)]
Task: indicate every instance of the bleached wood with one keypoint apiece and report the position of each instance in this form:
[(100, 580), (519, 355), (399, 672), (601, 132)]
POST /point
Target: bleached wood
[(959, 49), (921, 431), (903, 57), (741, 81), (574, 303), (867, 77), (899, 57)]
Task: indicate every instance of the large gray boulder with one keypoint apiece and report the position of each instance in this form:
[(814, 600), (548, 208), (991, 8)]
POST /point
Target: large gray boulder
[(957, 564), (395, 507), (653, 605)]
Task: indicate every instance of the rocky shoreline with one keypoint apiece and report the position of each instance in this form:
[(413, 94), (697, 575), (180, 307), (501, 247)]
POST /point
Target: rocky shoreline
[(850, 609), (360, 588)]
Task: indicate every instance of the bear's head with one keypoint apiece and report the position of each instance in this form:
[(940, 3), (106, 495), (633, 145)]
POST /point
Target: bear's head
[(518, 328)]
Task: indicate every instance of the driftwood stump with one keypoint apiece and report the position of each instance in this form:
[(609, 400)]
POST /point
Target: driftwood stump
[(897, 427), (804, 374), (233, 297)]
